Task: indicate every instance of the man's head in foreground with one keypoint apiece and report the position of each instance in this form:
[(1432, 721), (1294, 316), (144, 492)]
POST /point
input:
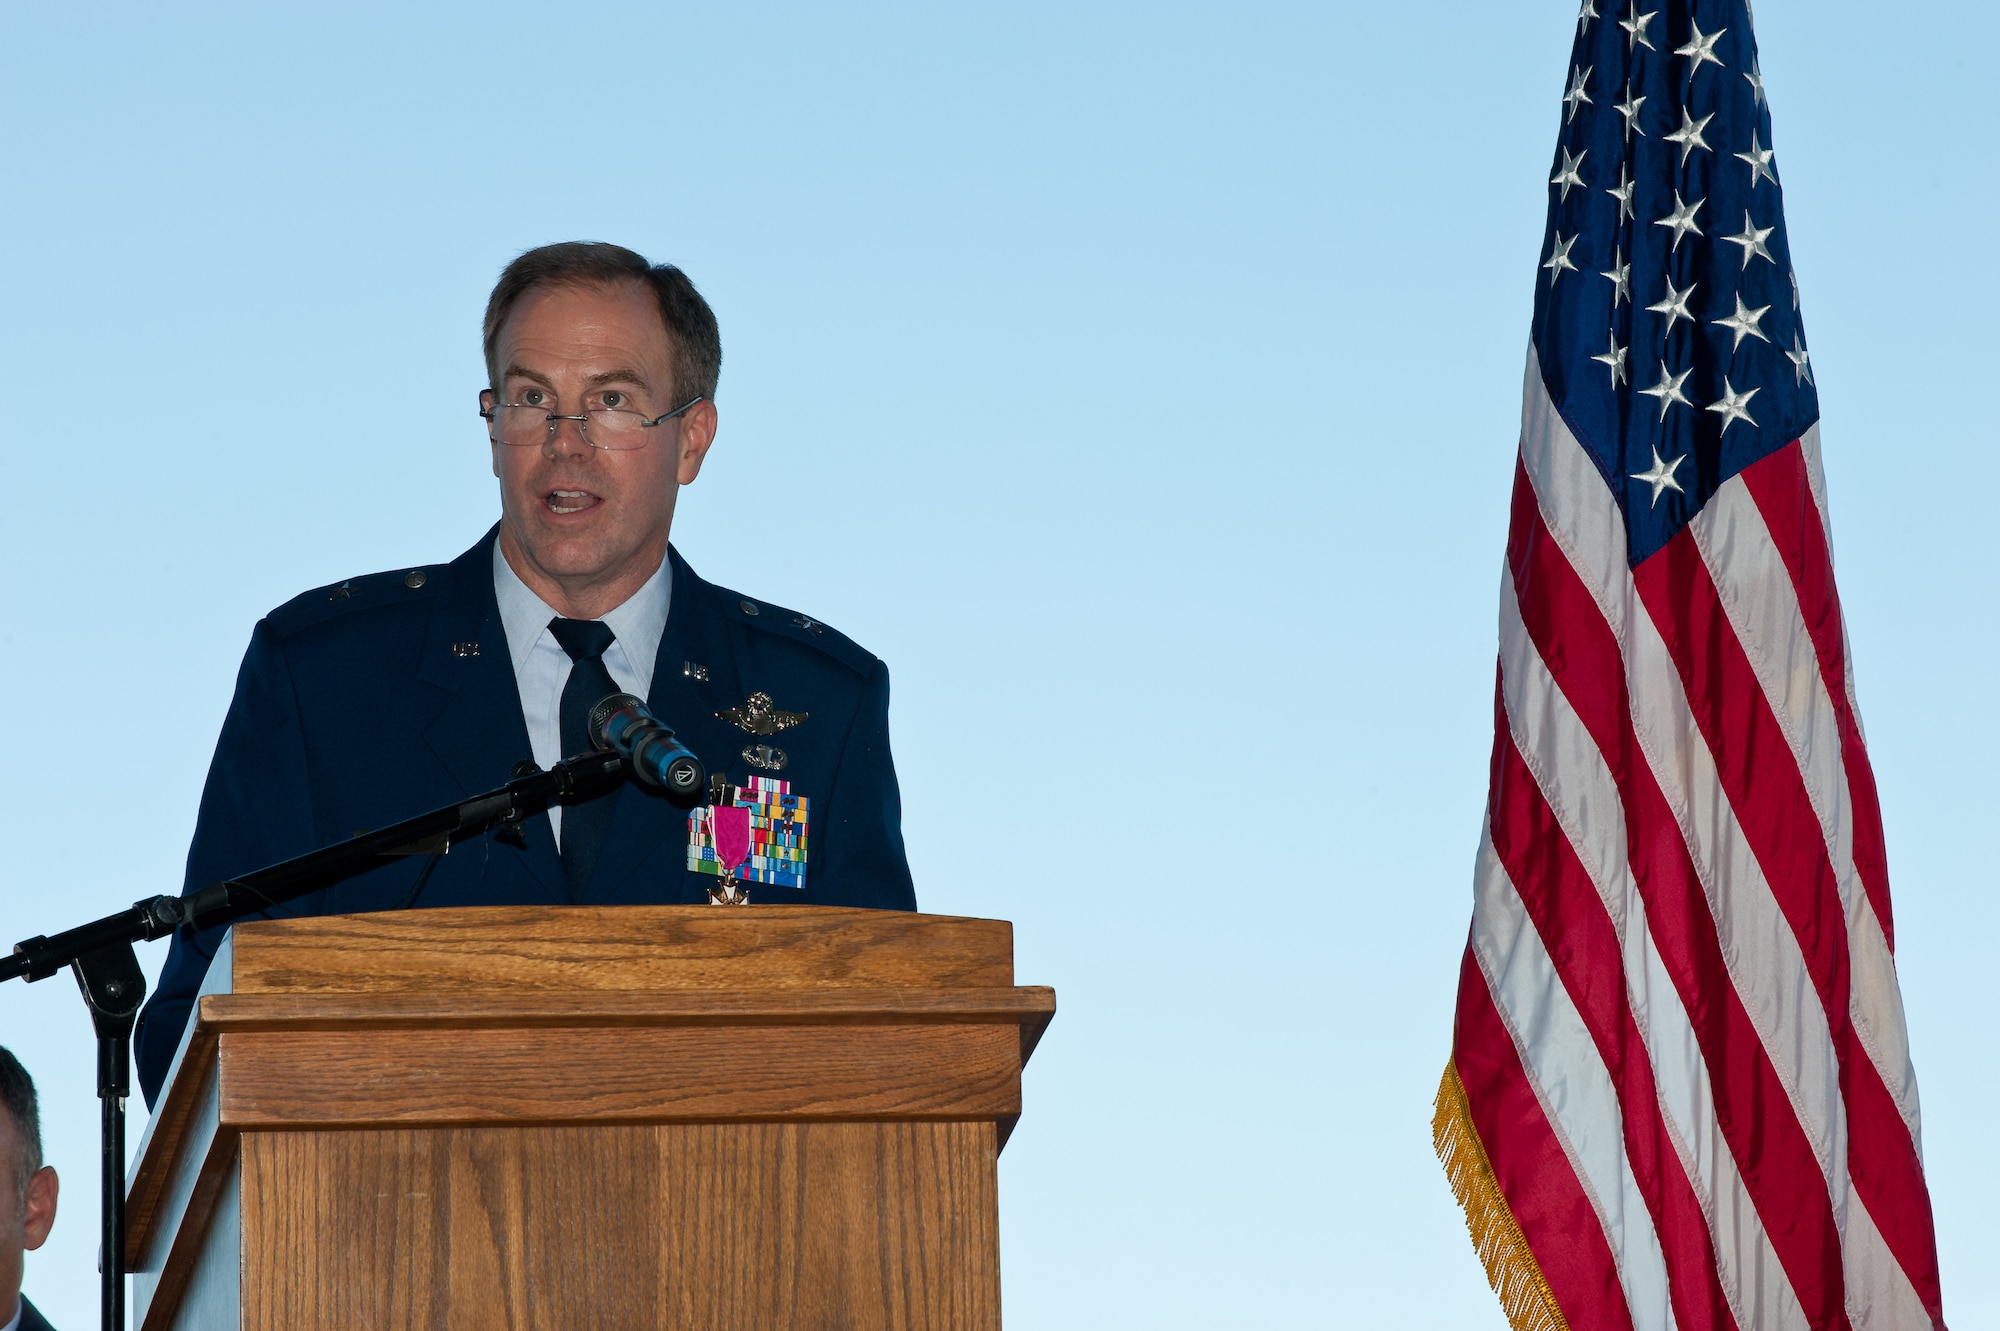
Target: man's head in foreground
[(602, 371), (27, 1186)]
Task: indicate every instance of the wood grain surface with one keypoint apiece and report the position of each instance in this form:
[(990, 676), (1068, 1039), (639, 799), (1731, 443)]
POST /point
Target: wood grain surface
[(612, 1074), (846, 1225), (486, 949)]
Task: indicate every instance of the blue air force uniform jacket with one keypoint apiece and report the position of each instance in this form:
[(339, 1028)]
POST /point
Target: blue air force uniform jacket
[(378, 699)]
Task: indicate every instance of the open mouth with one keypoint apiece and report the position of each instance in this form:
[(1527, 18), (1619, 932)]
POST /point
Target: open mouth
[(570, 501)]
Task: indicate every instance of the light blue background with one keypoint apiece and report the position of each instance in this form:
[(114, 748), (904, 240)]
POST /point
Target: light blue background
[(1141, 381)]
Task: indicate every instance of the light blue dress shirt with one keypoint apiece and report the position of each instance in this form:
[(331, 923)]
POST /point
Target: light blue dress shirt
[(541, 666)]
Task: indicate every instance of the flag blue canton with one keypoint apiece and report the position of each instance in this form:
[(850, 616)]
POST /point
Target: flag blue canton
[(1666, 312)]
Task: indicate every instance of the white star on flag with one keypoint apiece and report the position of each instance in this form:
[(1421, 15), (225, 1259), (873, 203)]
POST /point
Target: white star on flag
[(1733, 406), (1745, 324), (1760, 162), (1661, 475), (1675, 306), (1801, 360), (1752, 239), (1623, 193), (1688, 136), (1576, 96), (1668, 390), (1620, 274), (1700, 48), (1629, 108), (1635, 27), (1681, 219), (1615, 358), (1559, 258), (1568, 176)]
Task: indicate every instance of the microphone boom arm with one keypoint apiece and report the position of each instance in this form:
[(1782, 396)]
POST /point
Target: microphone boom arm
[(107, 970), (572, 781)]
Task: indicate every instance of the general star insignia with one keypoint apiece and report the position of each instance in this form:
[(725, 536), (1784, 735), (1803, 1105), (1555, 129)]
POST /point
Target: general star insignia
[(758, 717)]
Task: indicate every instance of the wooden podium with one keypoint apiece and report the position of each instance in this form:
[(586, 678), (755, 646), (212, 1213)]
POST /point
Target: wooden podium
[(584, 1117)]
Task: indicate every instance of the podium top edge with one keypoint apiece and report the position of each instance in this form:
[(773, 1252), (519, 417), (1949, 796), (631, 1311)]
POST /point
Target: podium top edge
[(496, 949)]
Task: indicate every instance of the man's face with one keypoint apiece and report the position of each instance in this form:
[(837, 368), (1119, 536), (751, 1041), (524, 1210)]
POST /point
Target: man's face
[(584, 526), (24, 1221)]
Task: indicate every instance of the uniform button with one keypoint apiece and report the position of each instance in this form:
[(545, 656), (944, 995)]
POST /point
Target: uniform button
[(414, 579), (748, 607)]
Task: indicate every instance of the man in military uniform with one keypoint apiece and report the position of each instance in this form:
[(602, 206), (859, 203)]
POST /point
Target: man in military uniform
[(380, 697), (27, 1191)]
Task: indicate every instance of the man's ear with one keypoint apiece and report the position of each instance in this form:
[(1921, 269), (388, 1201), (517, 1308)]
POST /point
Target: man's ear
[(41, 1217), (697, 433), (487, 397)]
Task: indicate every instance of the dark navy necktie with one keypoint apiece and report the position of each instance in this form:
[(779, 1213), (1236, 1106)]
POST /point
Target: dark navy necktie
[(583, 825)]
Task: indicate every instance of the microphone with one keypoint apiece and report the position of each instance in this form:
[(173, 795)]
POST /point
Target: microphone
[(622, 723)]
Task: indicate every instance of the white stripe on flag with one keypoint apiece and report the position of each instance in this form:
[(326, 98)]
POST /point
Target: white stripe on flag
[(1880, 1296)]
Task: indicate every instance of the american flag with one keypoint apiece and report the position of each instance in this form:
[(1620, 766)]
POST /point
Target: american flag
[(1680, 1094)]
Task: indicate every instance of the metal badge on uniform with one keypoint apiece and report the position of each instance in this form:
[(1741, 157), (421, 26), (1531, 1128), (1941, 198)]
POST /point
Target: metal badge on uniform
[(758, 716), (766, 757), (751, 834)]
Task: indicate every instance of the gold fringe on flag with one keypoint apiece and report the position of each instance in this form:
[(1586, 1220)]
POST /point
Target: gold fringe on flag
[(1510, 1268)]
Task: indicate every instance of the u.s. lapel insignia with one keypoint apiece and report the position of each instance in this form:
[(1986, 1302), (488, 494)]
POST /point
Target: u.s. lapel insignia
[(766, 757), (758, 717)]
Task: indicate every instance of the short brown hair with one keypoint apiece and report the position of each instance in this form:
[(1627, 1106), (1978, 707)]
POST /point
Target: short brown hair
[(690, 323), (17, 1101)]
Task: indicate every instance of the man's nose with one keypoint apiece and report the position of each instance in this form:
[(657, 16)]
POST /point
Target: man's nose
[(566, 439)]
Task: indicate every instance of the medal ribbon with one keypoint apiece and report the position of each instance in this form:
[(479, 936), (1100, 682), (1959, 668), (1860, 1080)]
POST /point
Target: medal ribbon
[(731, 825)]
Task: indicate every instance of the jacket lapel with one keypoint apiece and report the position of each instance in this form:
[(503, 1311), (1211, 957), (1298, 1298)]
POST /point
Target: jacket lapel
[(481, 733)]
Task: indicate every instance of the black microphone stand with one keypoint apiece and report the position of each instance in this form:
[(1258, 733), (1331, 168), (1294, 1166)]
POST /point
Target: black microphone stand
[(107, 970)]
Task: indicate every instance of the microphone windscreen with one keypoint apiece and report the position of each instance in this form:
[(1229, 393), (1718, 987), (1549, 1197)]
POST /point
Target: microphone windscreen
[(603, 712)]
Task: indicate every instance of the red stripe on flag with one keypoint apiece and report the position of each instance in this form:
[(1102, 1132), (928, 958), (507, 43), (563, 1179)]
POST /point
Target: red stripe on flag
[(1529, 1164), (1770, 1147), (1760, 775), (1783, 495), (1577, 932)]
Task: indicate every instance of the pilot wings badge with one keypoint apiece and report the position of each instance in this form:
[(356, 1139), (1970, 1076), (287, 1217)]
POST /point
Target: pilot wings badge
[(758, 717)]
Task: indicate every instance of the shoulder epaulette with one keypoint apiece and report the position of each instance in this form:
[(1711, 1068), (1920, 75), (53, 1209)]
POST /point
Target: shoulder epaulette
[(799, 627), (370, 591)]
